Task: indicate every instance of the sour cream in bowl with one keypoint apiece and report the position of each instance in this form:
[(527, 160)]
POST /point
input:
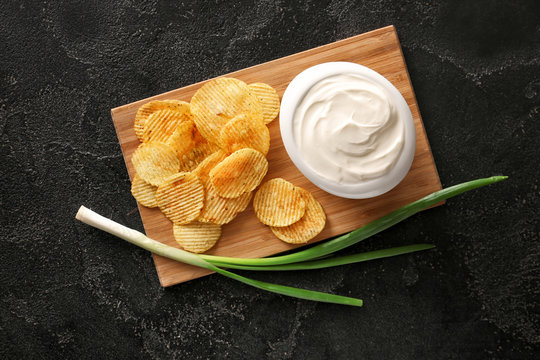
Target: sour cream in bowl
[(347, 129)]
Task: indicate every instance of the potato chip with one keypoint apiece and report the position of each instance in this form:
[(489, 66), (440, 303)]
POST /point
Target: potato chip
[(181, 197), (191, 148), (161, 124), (145, 110), (279, 203), (218, 101), (197, 237), (239, 173), (246, 130), (154, 162), (217, 209), (269, 100), (309, 226), (183, 138), (144, 192), (204, 168), (220, 210), (200, 151)]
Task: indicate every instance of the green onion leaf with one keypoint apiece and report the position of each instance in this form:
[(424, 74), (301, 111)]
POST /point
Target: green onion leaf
[(334, 260), (293, 292), (362, 233)]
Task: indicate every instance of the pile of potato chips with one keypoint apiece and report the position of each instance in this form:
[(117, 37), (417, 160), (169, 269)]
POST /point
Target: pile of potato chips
[(199, 162)]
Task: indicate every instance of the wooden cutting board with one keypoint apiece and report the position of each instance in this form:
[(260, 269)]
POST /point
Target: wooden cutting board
[(245, 236)]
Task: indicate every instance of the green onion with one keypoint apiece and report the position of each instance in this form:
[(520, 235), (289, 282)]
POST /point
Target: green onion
[(362, 233), (316, 257), (334, 260), (137, 238)]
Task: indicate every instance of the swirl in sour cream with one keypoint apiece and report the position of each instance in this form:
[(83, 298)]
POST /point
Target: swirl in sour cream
[(347, 129)]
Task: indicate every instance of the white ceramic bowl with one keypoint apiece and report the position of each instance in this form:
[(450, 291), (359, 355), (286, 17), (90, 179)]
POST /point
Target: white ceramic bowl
[(294, 94)]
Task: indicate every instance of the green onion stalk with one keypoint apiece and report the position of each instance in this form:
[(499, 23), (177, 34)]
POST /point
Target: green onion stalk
[(137, 238), (316, 257)]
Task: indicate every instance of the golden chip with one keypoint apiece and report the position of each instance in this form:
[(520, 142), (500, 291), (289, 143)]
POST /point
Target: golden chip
[(181, 197), (309, 226), (279, 203), (218, 101), (145, 110), (245, 130), (220, 210), (144, 192), (182, 139), (268, 98), (200, 151), (191, 148), (161, 124), (217, 209), (204, 168), (239, 173), (197, 237), (154, 162)]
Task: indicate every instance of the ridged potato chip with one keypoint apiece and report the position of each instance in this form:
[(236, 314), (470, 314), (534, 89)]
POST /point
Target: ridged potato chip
[(279, 203), (204, 168), (144, 192), (217, 209), (269, 100), (191, 148), (197, 237), (200, 151), (182, 139), (220, 210), (181, 197), (309, 226), (145, 110), (240, 173), (245, 130), (161, 124), (218, 101), (154, 162)]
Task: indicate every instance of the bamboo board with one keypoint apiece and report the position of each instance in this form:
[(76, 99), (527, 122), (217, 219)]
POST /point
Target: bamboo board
[(245, 236)]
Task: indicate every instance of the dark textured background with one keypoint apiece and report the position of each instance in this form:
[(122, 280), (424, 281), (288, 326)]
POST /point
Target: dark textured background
[(69, 291)]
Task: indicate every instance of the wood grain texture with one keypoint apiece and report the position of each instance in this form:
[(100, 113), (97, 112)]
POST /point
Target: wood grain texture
[(245, 236)]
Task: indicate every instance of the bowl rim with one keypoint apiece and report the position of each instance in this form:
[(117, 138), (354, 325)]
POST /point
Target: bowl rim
[(293, 95)]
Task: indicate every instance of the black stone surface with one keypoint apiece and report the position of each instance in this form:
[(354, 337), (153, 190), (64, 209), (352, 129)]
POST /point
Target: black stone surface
[(69, 291)]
